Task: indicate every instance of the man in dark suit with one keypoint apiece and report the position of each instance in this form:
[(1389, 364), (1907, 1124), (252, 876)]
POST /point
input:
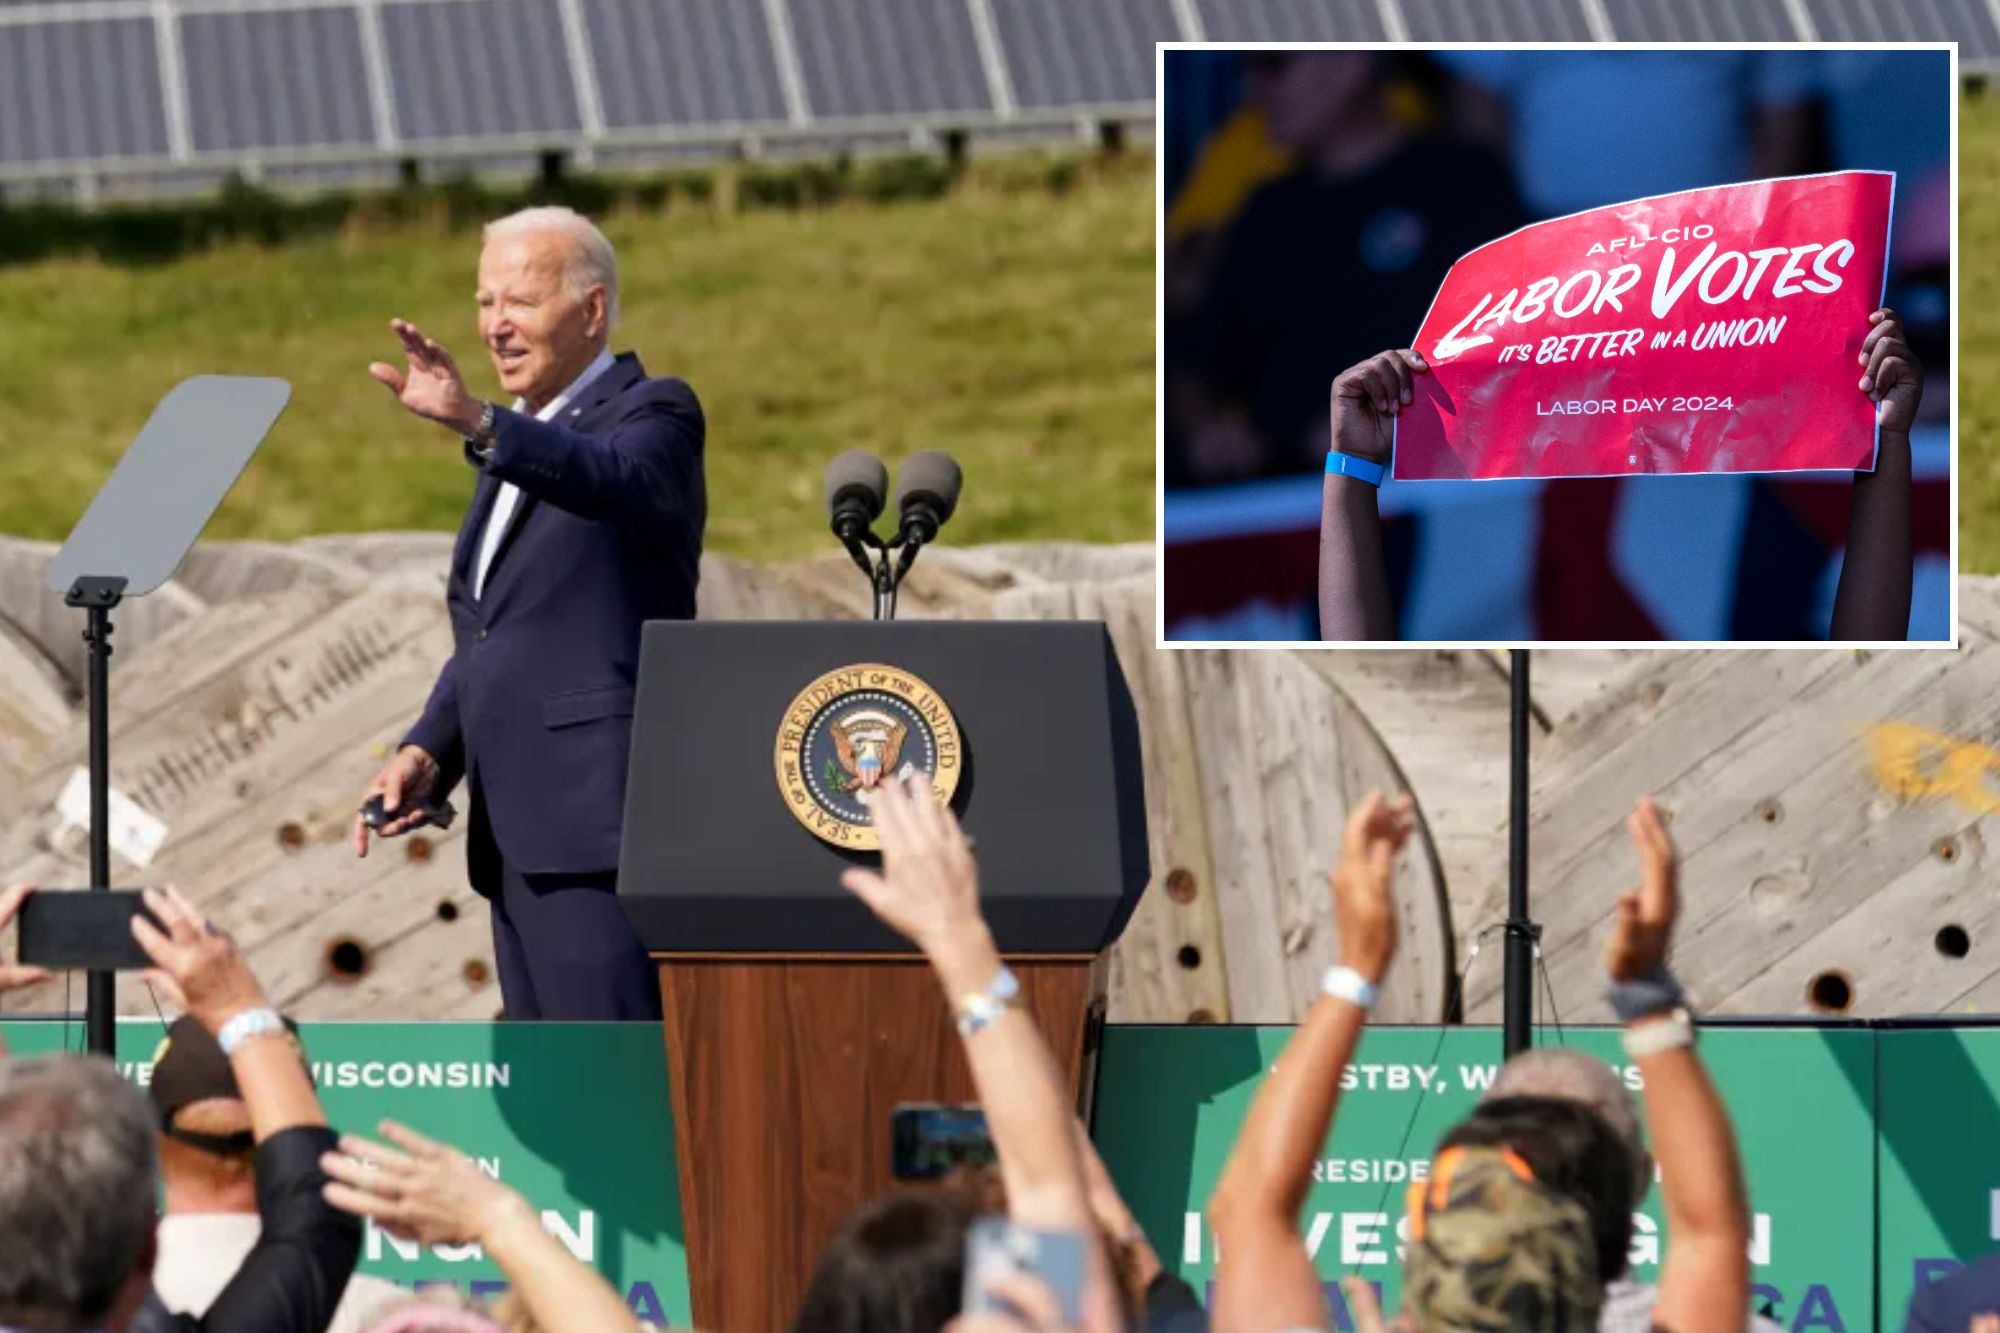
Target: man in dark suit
[(586, 523)]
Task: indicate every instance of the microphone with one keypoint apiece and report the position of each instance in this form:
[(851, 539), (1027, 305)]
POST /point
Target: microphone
[(855, 484), (926, 494)]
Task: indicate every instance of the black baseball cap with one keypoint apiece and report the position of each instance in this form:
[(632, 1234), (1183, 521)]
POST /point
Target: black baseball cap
[(190, 1067)]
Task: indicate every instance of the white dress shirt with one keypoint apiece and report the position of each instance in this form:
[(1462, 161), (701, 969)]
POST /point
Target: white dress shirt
[(200, 1252), (510, 495)]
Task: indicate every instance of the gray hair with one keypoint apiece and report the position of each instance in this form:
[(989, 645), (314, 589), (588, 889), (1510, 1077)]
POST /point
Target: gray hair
[(79, 1173), (591, 261), (1557, 1071)]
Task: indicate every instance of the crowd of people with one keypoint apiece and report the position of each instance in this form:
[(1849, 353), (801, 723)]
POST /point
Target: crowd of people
[(1524, 1220)]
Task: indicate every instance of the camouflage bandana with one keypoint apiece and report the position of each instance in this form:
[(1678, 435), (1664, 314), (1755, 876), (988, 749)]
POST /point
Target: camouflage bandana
[(1493, 1250)]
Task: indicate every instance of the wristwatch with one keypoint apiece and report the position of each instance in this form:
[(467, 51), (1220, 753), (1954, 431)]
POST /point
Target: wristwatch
[(250, 1023), (979, 1010), (1355, 466), (479, 444), (1653, 993), (1344, 983), (1668, 1032)]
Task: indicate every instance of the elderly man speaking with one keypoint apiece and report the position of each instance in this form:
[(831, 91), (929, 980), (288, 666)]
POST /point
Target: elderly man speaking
[(586, 522)]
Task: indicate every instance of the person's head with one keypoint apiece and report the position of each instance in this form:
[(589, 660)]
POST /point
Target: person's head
[(896, 1266), (548, 299), (206, 1144), (78, 1177), (440, 1309), (1491, 1247), (1573, 1152), (1557, 1071), (1310, 100)]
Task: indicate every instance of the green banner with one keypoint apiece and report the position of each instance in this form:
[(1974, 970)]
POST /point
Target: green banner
[(1171, 1100), (574, 1116), (1938, 1138), (1871, 1154)]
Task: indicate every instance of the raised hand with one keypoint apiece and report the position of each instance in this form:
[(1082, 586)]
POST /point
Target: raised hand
[(1364, 903), (1367, 398), (419, 1189), (1643, 928), (430, 385), (1890, 374), (13, 976), (196, 964), (928, 887)]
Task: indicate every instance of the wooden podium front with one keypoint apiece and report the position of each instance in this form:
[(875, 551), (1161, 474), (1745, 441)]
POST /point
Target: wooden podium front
[(785, 1070)]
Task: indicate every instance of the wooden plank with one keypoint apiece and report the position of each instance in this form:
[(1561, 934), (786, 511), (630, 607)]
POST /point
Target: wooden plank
[(56, 630)]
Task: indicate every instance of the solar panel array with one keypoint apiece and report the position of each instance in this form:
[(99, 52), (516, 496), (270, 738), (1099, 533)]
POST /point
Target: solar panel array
[(108, 86)]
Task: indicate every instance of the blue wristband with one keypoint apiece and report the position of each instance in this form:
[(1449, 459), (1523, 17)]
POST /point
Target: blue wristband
[(1350, 465)]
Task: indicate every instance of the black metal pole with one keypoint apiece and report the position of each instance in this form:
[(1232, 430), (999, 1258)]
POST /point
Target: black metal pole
[(1518, 995), (100, 998)]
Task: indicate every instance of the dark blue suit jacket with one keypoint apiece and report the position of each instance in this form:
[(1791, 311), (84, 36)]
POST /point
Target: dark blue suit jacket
[(1948, 1304), (535, 704)]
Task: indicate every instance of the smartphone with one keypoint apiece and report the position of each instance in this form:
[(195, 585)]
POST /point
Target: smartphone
[(78, 929), (930, 1138), (995, 1245)]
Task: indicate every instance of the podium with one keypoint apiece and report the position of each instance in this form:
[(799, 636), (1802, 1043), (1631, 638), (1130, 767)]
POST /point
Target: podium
[(795, 1022)]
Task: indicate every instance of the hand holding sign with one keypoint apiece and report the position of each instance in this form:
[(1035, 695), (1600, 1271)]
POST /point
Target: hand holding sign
[(1366, 399), (1890, 374)]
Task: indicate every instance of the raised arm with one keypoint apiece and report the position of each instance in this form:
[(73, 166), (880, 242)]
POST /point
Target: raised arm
[(928, 890), (1705, 1277), (13, 976), (1354, 601), (1264, 1279), (645, 474), (433, 1193), (293, 1277), (1873, 599)]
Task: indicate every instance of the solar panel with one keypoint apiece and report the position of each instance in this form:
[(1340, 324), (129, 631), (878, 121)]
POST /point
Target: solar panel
[(1495, 21), (1700, 20), (1290, 20), (1967, 22), (284, 78), (460, 69), (888, 57), (683, 62), (71, 91), (1065, 54)]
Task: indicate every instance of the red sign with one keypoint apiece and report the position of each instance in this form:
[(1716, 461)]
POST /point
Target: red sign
[(1714, 330)]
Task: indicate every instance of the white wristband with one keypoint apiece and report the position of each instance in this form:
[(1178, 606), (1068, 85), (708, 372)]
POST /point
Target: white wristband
[(250, 1023), (1344, 983), (1660, 1035), (978, 1011)]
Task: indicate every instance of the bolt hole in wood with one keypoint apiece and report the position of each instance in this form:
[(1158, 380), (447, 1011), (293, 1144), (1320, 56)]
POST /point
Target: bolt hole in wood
[(1946, 850), (1953, 942), (1770, 812), (1181, 885), (447, 910), (1831, 992), (1200, 1016), (291, 837), (417, 849), (1189, 957), (346, 960), (475, 972)]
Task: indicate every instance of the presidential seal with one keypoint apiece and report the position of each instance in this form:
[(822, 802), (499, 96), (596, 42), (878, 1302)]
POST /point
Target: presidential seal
[(853, 729)]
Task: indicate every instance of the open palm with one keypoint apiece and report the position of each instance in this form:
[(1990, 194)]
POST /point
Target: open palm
[(430, 384)]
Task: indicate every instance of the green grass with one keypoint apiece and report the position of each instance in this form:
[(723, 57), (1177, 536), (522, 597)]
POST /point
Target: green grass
[(1979, 334), (1006, 322)]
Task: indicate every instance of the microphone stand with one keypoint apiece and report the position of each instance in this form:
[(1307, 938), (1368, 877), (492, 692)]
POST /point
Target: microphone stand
[(885, 571)]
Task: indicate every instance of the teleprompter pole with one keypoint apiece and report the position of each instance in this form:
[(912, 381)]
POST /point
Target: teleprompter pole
[(97, 596), (1518, 1003)]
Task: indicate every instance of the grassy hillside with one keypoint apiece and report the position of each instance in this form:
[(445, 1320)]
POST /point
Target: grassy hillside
[(1003, 322), (1979, 334)]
